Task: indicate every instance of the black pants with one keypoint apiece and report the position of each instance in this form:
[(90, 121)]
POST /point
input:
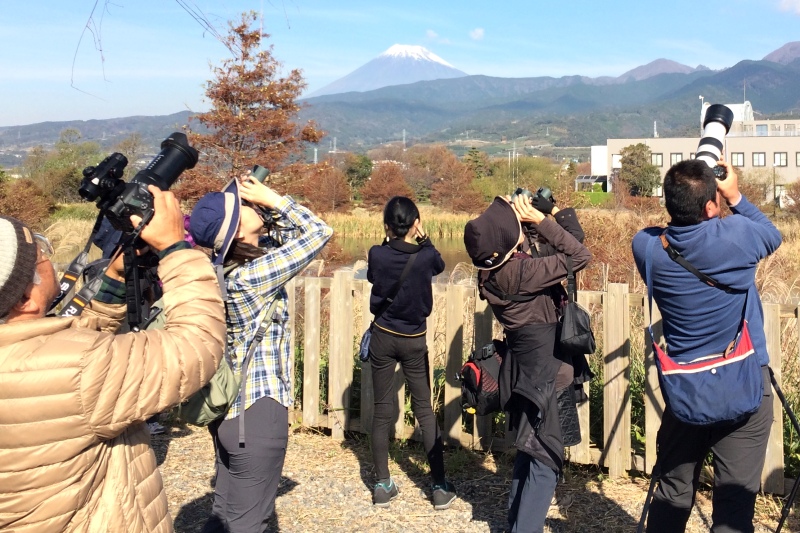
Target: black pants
[(247, 478), (739, 452), (385, 351)]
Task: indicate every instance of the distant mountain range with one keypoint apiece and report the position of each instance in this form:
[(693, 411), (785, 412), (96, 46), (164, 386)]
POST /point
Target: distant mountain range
[(573, 110), (433, 101)]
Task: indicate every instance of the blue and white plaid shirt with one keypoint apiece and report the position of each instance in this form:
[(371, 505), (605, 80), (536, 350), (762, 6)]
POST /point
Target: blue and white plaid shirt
[(251, 288)]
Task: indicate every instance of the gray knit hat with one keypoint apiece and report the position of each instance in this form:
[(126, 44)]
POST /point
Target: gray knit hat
[(17, 261)]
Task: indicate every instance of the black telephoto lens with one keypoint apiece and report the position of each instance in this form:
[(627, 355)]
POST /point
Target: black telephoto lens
[(176, 156)]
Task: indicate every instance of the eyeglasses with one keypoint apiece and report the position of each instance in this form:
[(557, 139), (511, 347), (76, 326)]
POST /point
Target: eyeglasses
[(44, 245)]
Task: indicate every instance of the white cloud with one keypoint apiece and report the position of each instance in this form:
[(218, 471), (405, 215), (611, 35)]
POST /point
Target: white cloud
[(477, 33), (430, 34), (790, 5)]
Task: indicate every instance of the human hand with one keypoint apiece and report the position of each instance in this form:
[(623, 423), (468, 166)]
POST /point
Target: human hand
[(729, 187), (545, 205), (525, 211), (166, 226), (419, 232), (256, 192)]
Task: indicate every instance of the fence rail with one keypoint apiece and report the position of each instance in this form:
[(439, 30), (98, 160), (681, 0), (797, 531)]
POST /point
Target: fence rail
[(468, 322)]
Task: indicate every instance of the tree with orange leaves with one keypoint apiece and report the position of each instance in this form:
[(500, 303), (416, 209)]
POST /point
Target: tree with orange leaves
[(386, 181), (251, 117)]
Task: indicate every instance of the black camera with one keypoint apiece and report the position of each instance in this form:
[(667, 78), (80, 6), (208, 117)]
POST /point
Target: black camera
[(119, 200), (716, 124), (544, 192)]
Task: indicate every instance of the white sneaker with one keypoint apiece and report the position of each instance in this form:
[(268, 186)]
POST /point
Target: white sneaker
[(155, 428)]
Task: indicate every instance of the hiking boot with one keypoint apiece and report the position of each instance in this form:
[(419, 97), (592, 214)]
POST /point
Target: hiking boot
[(443, 496), (384, 493)]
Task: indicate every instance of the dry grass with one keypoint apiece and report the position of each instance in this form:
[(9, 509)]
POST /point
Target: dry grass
[(325, 486)]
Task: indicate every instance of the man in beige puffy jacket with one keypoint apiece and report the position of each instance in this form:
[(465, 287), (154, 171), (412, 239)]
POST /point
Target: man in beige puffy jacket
[(74, 448)]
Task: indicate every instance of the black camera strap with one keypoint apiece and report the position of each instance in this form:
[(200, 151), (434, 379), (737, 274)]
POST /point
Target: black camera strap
[(676, 256), (132, 282), (76, 267)]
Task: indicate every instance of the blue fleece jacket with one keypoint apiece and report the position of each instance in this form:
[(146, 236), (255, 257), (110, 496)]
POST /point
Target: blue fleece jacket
[(699, 319)]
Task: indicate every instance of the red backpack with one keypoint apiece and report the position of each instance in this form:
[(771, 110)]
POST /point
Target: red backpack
[(480, 391)]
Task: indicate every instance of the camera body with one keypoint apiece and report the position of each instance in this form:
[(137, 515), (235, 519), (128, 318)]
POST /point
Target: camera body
[(118, 200), (716, 124), (543, 192)]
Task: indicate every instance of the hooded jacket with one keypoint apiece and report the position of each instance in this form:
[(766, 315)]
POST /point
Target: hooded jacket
[(530, 328), (74, 449)]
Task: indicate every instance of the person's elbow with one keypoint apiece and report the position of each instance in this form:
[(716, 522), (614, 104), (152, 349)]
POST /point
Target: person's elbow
[(581, 259)]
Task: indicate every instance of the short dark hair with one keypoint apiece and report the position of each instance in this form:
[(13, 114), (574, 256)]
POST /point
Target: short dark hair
[(400, 214), (688, 186)]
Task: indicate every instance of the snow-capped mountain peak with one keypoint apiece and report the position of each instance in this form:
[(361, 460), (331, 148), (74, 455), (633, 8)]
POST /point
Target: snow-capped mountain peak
[(414, 52), (400, 64)]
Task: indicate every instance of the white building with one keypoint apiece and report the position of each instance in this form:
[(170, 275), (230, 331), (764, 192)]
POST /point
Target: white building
[(771, 146)]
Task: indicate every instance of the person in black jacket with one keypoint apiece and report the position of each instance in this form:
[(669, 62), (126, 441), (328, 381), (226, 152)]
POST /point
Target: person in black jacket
[(399, 336), (520, 275)]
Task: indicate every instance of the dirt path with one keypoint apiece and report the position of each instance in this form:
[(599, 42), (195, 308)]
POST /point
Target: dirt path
[(325, 487)]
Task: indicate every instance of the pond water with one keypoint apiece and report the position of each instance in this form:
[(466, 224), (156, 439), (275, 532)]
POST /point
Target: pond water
[(451, 249)]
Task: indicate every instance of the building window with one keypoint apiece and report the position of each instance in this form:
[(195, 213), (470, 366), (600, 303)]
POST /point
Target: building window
[(775, 130), (761, 130), (789, 130), (675, 158), (737, 159), (759, 159), (747, 129), (797, 159), (692, 155), (779, 159), (657, 159)]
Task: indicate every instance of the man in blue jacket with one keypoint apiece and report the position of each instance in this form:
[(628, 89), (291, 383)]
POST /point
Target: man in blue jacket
[(698, 320)]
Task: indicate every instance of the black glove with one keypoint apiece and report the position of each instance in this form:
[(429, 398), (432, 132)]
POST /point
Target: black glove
[(543, 204)]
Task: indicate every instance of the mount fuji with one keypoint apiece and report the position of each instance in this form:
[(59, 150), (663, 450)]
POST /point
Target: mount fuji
[(399, 65)]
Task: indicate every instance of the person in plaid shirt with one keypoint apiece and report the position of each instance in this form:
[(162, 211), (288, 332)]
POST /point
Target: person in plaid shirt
[(256, 269)]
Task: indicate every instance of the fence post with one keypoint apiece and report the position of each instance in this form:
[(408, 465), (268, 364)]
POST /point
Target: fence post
[(772, 474), (616, 398), (580, 453), (367, 394), (311, 348), (454, 346), (482, 432), (341, 353), (653, 400), (291, 288)]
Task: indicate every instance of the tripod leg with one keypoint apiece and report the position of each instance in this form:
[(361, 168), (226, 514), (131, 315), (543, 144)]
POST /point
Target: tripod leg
[(787, 506), (656, 474)]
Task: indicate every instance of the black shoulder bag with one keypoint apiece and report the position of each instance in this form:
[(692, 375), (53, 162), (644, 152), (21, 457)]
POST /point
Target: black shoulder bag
[(363, 350), (576, 324)]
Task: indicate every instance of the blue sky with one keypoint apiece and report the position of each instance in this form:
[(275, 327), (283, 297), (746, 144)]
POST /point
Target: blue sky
[(153, 57)]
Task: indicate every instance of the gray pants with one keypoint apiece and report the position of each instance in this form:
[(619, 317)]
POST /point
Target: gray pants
[(532, 488), (739, 452), (247, 478)]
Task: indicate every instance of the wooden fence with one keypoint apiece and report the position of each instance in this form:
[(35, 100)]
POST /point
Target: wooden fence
[(468, 322)]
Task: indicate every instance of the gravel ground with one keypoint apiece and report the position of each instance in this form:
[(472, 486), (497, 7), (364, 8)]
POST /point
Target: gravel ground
[(326, 487)]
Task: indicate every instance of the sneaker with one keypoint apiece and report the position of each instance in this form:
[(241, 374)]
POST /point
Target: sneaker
[(443, 496), (384, 493), (155, 428)]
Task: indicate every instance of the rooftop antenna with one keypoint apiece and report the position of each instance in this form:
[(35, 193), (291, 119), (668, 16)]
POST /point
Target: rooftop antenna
[(744, 90), (655, 130)]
